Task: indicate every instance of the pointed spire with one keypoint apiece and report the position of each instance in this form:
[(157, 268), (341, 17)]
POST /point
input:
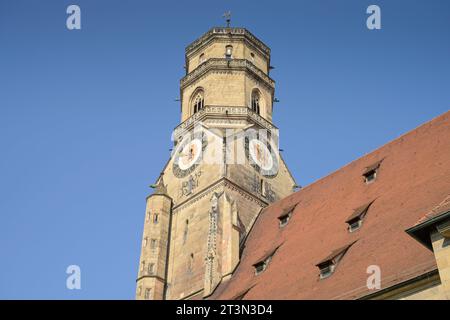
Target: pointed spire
[(160, 187)]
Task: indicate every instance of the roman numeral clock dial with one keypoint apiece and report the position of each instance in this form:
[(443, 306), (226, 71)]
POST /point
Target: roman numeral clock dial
[(262, 155), (188, 155)]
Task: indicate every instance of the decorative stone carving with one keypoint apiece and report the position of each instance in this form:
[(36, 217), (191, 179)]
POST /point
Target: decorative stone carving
[(188, 186), (247, 194), (211, 263), (269, 194)]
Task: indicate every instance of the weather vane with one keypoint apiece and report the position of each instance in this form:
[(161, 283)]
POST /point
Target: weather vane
[(227, 16)]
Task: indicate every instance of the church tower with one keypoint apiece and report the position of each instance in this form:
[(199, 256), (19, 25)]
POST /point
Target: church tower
[(224, 169)]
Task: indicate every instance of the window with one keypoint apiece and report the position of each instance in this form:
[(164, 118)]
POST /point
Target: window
[(150, 268), (139, 291), (326, 270), (260, 267), (201, 58), (143, 266), (147, 293), (255, 101), (262, 264), (328, 265), (370, 174), (153, 243), (252, 57), (228, 52), (354, 225), (144, 243), (286, 216), (155, 218), (284, 220), (198, 102), (147, 217), (356, 218)]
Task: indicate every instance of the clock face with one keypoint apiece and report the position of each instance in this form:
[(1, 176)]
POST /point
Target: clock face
[(262, 156), (188, 155)]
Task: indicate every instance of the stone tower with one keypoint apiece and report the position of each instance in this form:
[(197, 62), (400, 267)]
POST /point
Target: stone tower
[(225, 167)]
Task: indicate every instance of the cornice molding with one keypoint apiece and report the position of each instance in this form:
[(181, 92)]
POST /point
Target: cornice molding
[(223, 112), (222, 64), (150, 276), (222, 182), (222, 32)]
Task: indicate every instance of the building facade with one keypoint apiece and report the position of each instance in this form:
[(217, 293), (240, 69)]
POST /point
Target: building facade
[(224, 169), (224, 223)]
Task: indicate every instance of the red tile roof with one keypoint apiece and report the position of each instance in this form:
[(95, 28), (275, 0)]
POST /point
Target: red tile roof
[(441, 208), (359, 212), (335, 253), (413, 177), (372, 167)]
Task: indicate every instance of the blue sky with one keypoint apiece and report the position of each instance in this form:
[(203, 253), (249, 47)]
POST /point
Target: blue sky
[(86, 115)]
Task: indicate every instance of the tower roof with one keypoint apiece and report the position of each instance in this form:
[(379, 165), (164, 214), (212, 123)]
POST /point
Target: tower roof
[(225, 33)]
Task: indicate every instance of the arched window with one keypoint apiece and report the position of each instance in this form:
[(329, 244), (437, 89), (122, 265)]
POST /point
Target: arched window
[(256, 101), (198, 102)]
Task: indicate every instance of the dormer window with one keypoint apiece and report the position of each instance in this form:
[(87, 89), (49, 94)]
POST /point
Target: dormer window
[(260, 267), (284, 220), (326, 269), (286, 216), (262, 264), (370, 174), (354, 225), (355, 220), (328, 265)]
